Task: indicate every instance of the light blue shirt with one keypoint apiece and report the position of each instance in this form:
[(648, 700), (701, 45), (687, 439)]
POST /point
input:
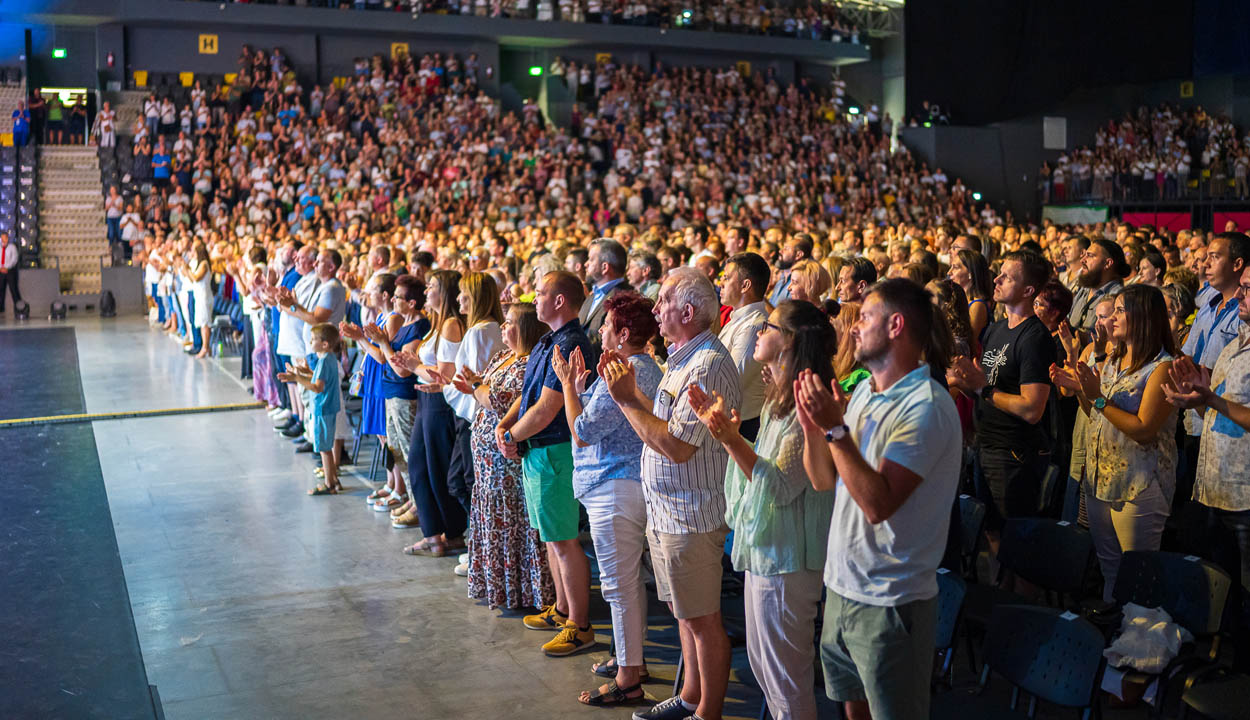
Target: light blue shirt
[(613, 450), (1214, 328), (913, 423)]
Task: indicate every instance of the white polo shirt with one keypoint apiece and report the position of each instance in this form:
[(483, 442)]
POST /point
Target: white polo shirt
[(913, 423)]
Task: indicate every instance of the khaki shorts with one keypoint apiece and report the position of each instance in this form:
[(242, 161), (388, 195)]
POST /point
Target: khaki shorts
[(688, 570)]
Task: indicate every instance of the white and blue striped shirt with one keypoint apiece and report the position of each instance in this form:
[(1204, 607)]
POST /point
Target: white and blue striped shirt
[(689, 497)]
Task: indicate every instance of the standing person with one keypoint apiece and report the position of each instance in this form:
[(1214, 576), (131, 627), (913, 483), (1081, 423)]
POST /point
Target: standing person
[(605, 267), (742, 288), (535, 428), (1223, 398), (1012, 384), (796, 249), (1216, 324), (507, 562), (855, 276), (607, 483), (106, 126), (1102, 271), (683, 482), (200, 273), (8, 270), (114, 208), (323, 300), (970, 272), (1131, 439), (780, 523), (21, 125), (483, 313), (891, 462), (322, 383), (441, 517)]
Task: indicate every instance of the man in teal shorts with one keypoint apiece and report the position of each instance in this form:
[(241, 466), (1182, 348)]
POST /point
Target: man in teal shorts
[(536, 429)]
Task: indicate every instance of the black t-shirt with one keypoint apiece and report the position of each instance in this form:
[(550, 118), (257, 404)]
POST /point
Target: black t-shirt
[(1013, 357)]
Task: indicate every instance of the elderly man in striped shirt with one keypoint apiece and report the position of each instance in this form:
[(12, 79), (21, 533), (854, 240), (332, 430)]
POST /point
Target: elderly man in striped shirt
[(683, 481)]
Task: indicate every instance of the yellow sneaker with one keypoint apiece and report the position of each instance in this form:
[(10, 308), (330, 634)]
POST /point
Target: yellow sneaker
[(570, 640), (548, 619)]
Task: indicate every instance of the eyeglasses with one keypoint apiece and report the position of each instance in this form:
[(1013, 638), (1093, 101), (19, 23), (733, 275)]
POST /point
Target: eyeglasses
[(770, 326)]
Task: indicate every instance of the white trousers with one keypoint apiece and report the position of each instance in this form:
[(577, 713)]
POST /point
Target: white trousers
[(1117, 527), (618, 527), (781, 640)]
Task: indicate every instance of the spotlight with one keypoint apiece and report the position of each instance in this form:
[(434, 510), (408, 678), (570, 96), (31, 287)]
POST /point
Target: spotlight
[(536, 70), (853, 110), (976, 196)]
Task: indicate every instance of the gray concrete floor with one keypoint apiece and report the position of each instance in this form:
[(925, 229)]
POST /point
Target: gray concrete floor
[(253, 600)]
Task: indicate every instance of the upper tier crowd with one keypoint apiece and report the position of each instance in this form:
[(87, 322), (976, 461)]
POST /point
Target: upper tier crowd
[(712, 306), (805, 19), (1159, 153)]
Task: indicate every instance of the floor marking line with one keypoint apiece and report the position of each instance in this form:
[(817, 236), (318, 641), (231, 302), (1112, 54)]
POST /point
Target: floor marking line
[(127, 414)]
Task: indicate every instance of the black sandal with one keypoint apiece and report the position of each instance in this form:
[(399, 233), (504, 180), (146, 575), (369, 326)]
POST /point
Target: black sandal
[(615, 695), (608, 669)]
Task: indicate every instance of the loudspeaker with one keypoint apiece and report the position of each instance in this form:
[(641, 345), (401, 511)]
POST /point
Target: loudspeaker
[(58, 310)]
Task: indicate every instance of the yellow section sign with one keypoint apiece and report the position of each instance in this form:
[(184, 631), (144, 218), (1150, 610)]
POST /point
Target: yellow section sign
[(208, 44), (399, 49), (1187, 89)]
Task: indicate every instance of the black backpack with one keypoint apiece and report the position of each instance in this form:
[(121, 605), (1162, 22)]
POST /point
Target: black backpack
[(108, 304)]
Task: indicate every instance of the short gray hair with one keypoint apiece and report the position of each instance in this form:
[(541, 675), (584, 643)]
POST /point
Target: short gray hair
[(690, 286)]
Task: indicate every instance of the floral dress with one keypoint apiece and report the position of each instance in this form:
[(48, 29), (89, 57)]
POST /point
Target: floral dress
[(507, 563)]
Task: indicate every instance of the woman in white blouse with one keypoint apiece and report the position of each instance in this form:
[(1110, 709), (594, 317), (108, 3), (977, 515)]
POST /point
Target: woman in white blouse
[(479, 303), (1130, 466)]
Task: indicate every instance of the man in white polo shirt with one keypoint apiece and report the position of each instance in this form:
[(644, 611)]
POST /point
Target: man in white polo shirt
[(683, 483), (742, 287), (894, 467)]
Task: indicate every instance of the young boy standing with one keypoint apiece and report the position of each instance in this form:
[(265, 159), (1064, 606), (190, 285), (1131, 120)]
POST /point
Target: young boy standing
[(322, 380)]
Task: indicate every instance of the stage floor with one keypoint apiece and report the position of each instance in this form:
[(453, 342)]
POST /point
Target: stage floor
[(253, 600)]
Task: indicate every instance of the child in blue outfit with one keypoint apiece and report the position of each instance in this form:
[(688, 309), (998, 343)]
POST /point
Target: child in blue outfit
[(322, 379)]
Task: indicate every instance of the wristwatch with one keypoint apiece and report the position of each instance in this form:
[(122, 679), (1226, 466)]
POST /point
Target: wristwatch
[(1100, 403), (477, 384), (837, 433), (986, 393), (507, 437)]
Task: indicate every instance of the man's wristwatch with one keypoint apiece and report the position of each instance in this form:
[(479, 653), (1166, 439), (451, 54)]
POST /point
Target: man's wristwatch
[(837, 433), (507, 437), (477, 384), (986, 393), (1100, 403)]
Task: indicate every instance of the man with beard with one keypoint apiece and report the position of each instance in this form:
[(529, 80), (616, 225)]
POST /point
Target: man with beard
[(1012, 384), (1101, 271), (798, 247), (1074, 246), (890, 464)]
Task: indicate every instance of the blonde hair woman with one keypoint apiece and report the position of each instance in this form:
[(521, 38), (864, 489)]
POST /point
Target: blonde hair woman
[(809, 281)]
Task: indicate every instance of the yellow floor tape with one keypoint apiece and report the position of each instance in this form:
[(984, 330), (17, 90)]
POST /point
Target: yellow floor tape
[(92, 417)]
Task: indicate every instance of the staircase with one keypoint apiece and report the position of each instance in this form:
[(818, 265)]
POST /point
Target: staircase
[(72, 215)]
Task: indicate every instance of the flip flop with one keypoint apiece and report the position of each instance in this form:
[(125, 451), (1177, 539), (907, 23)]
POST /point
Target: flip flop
[(324, 490), (426, 549)]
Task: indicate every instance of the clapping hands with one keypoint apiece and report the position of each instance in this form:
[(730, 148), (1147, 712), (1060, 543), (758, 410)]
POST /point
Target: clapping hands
[(1190, 385), (819, 408), (572, 371), (712, 410)]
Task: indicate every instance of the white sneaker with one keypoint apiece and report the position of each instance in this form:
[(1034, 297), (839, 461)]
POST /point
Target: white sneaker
[(462, 569), (275, 411), (282, 417), (463, 559)]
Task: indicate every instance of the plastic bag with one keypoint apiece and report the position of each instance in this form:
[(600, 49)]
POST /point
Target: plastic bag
[(1148, 640)]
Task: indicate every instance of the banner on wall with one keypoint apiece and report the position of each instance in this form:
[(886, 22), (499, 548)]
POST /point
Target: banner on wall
[(1074, 214), (1170, 221), (1240, 220)]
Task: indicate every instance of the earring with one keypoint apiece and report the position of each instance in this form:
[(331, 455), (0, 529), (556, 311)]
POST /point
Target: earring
[(619, 346)]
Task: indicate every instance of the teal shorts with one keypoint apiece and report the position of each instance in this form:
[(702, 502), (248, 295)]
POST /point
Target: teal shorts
[(548, 481)]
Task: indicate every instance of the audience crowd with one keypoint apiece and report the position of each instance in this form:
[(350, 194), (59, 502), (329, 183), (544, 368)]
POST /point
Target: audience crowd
[(1159, 153), (712, 324), (805, 19)]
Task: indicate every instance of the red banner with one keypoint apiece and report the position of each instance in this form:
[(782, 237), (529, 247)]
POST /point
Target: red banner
[(1172, 221), (1240, 221)]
